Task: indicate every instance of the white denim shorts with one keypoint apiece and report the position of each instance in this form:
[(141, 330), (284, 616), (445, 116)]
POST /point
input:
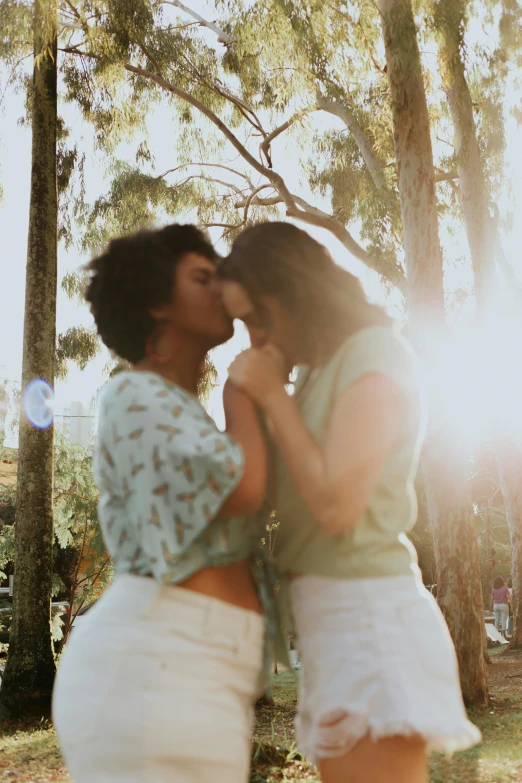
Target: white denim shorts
[(158, 684), (377, 658)]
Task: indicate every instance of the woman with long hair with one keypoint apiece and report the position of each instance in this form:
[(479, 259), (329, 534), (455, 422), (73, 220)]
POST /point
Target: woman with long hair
[(159, 682), (379, 684)]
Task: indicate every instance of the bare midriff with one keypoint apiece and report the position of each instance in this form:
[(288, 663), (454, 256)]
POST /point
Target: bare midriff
[(232, 583)]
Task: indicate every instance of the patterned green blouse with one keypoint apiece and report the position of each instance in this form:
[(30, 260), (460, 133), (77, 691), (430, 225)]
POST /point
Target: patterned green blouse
[(164, 471)]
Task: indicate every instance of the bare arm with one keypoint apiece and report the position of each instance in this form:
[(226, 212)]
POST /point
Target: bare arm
[(337, 480), (242, 424)]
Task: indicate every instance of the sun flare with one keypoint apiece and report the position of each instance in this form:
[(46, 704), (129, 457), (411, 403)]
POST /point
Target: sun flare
[(474, 379)]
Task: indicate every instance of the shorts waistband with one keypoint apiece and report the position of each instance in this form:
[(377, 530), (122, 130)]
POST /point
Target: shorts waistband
[(312, 587), (183, 608)]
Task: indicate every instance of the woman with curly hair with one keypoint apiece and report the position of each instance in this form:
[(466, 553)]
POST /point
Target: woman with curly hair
[(159, 682), (379, 683)]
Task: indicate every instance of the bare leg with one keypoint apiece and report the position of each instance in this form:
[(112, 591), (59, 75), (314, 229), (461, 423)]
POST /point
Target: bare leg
[(390, 760)]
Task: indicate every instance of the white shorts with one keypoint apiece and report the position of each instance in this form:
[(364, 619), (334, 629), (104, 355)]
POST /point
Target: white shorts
[(377, 658), (158, 684)]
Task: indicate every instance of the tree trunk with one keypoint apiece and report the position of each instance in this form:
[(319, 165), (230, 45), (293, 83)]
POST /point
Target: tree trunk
[(449, 18), (423, 533), (510, 471), (3, 417), (29, 674), (451, 511)]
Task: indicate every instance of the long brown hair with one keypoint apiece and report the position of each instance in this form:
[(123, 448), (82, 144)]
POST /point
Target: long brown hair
[(280, 260)]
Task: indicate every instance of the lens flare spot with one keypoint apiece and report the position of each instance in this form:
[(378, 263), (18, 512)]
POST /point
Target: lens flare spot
[(39, 403)]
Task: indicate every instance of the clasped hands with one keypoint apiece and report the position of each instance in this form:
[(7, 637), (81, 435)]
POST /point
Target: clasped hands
[(262, 373)]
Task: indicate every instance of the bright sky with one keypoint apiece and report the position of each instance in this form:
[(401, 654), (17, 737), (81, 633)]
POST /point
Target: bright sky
[(15, 153)]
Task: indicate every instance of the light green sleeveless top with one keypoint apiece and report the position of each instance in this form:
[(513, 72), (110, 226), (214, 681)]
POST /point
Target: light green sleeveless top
[(377, 545)]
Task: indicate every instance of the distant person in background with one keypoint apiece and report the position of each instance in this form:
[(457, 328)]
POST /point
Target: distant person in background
[(511, 617), (501, 597)]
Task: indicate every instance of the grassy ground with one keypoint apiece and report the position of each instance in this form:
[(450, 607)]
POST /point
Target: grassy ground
[(29, 751)]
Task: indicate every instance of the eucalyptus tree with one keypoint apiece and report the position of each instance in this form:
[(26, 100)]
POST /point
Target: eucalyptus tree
[(459, 590), (29, 674), (450, 18)]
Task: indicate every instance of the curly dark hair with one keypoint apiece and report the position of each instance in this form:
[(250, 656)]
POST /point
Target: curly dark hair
[(135, 274), (499, 582)]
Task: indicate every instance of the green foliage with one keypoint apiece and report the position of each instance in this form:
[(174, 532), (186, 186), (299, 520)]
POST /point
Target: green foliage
[(6, 542), (258, 64), (75, 492), (207, 381), (78, 345), (76, 529), (135, 200), (71, 188), (15, 38), (74, 284), (308, 49)]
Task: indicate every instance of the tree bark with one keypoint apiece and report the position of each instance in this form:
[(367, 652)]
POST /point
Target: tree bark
[(347, 115), (3, 416), (509, 462), (449, 18), (459, 590), (29, 673)]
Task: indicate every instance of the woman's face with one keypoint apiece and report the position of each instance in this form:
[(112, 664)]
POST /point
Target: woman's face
[(266, 322), (196, 310)]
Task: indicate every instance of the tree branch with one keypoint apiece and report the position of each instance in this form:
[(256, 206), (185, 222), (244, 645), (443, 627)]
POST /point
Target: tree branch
[(271, 201), (251, 197), (270, 174), (223, 37), (311, 209), (264, 147), (148, 54), (308, 214), (72, 9), (242, 106), (208, 179), (74, 50), (211, 165), (70, 25), (447, 176), (344, 113), (222, 90)]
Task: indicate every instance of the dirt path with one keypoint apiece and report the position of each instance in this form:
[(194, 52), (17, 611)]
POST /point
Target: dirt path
[(505, 676)]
